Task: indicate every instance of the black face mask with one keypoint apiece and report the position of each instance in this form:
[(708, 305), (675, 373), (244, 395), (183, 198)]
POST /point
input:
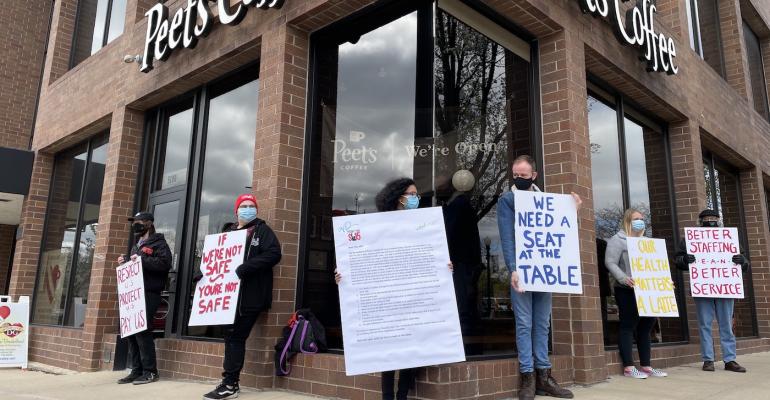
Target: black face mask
[(523, 183), (139, 228), (710, 224)]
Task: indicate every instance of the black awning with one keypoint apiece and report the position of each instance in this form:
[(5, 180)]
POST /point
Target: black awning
[(15, 170)]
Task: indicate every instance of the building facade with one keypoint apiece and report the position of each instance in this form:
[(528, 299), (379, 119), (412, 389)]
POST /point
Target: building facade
[(176, 107)]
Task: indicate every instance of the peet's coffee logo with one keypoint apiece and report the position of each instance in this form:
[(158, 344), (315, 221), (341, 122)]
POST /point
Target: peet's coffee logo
[(190, 23), (638, 30)]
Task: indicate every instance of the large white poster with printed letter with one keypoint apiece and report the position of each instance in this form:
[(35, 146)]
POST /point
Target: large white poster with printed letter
[(547, 243), (397, 298)]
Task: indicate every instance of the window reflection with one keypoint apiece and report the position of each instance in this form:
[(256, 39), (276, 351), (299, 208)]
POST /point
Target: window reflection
[(176, 155), (605, 168), (227, 166), (70, 236), (374, 124)]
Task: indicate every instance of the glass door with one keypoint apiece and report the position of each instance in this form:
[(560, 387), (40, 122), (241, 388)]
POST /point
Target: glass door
[(168, 213)]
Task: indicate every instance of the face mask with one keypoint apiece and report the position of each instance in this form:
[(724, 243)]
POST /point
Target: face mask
[(412, 202), (139, 228), (637, 225), (247, 214), (710, 224), (522, 183)]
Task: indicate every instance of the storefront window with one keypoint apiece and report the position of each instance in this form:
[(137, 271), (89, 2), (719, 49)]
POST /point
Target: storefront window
[(64, 271), (422, 95), (204, 160), (98, 22), (756, 71), (629, 170), (724, 195)]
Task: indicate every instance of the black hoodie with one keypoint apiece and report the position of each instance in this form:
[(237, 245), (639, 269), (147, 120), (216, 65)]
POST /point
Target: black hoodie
[(263, 252), (156, 262)]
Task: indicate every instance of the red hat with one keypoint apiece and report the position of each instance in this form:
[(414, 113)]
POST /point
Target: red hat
[(243, 198)]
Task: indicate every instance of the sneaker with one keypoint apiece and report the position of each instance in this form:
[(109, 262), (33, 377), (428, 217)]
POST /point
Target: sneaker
[(223, 391), (708, 366), (654, 372), (634, 373), (130, 378), (147, 377)]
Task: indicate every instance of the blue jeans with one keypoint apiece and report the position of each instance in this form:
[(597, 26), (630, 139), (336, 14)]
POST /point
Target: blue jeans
[(533, 320), (707, 309)]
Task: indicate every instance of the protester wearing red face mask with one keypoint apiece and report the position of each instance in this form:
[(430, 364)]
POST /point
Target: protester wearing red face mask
[(263, 252)]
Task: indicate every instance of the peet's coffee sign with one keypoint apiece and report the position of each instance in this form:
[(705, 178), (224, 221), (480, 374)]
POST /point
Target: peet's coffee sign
[(190, 23), (637, 30)]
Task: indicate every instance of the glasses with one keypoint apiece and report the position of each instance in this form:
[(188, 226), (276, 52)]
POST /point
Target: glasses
[(412, 194)]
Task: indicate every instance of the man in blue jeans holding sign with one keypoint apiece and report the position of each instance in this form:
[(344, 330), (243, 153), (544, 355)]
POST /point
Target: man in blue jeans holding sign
[(532, 309)]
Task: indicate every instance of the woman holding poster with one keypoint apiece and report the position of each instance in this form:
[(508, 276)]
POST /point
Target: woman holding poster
[(156, 262), (399, 194), (709, 307), (263, 252), (616, 260)]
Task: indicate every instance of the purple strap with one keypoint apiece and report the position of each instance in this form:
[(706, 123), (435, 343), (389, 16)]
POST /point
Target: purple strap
[(313, 348), (283, 359)]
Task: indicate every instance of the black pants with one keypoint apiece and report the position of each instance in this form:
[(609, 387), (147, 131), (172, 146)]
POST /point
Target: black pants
[(631, 323), (141, 346), (405, 382), (235, 347)]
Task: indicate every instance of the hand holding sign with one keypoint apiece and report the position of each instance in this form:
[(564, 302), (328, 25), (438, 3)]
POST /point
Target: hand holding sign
[(547, 244), (216, 294)]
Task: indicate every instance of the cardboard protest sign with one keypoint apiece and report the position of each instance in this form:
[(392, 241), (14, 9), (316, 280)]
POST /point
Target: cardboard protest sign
[(14, 332), (713, 274), (131, 301), (651, 272), (547, 244), (216, 295)]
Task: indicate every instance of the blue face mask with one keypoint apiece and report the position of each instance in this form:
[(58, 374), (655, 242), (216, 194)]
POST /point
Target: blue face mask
[(637, 225), (412, 202), (247, 214)]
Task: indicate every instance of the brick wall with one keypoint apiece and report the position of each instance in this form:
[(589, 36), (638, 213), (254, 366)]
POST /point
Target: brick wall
[(23, 26)]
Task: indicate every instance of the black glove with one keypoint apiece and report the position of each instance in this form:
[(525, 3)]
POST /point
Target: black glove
[(690, 258), (739, 259), (197, 276)]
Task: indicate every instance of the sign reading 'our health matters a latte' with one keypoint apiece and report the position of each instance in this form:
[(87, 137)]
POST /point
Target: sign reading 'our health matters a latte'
[(165, 34), (638, 30)]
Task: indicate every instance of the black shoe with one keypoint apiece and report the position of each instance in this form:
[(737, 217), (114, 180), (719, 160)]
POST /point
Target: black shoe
[(130, 378), (708, 366), (147, 377), (734, 367), (223, 391)]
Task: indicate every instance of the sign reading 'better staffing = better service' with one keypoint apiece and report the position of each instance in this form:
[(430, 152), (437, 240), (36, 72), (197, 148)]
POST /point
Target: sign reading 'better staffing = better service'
[(165, 34)]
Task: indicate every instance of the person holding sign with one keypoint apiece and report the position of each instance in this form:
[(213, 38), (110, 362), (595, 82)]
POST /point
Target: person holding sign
[(631, 324), (156, 262), (709, 307), (399, 194), (263, 252), (532, 309)]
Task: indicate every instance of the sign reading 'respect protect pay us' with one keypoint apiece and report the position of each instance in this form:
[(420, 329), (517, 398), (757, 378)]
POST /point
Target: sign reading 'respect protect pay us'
[(547, 244)]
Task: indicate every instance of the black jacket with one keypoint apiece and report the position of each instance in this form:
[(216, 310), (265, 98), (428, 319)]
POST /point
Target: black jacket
[(680, 258), (263, 252), (156, 262)]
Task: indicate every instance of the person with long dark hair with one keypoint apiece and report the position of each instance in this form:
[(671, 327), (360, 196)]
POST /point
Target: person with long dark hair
[(156, 263), (398, 194)]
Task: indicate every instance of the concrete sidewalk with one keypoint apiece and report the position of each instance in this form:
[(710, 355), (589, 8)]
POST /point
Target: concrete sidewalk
[(37, 385), (689, 382), (685, 383)]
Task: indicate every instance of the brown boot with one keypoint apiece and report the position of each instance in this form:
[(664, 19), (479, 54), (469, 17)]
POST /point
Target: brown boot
[(547, 386), (526, 386)]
